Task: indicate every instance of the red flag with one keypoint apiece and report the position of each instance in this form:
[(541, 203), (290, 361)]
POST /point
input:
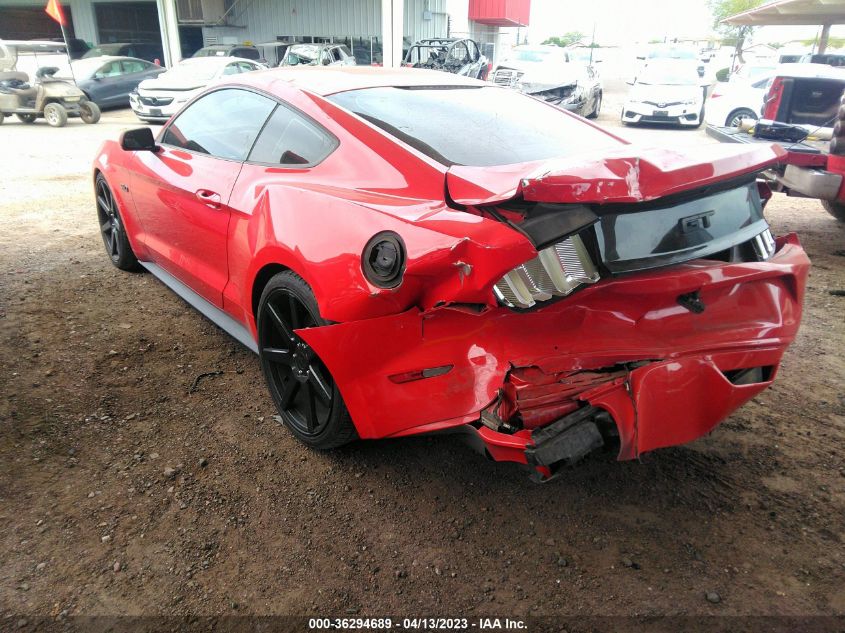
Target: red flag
[(54, 10)]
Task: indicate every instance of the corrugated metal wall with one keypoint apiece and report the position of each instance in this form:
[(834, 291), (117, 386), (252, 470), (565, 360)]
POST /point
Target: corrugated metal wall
[(266, 19)]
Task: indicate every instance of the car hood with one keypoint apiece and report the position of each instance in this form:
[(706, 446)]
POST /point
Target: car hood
[(663, 93), (162, 82), (624, 175), (538, 76)]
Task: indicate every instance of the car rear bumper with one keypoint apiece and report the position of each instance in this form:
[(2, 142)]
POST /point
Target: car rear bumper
[(625, 345)]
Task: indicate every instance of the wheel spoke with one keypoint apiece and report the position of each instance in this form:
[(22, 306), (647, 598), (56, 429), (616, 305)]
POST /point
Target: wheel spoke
[(281, 326), (294, 313), (105, 227), (319, 384), (112, 243), (104, 204), (310, 410), (290, 390), (278, 355)]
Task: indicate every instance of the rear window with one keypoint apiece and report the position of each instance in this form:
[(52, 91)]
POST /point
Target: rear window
[(474, 126)]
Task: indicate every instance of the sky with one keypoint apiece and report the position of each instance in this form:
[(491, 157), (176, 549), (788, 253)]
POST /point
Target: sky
[(620, 22)]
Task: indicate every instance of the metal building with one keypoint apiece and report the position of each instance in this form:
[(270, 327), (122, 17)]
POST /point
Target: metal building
[(183, 26)]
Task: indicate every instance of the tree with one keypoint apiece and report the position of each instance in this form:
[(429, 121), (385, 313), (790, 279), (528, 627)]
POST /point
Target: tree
[(567, 39), (722, 9)]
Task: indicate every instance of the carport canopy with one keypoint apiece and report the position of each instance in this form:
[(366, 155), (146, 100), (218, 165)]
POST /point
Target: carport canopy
[(794, 12)]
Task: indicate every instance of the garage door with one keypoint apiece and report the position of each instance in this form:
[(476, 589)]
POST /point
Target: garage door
[(31, 23), (127, 22)]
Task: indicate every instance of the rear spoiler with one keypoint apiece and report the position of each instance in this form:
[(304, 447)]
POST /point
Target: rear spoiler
[(625, 175)]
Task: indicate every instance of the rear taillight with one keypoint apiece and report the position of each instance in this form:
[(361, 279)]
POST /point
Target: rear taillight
[(771, 104), (556, 272)]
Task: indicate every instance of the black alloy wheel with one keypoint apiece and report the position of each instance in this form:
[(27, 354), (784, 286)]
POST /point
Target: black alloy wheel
[(305, 394), (112, 228)]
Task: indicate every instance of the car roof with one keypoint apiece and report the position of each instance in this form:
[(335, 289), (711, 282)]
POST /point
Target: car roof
[(802, 69), (211, 61), (104, 59), (328, 80)]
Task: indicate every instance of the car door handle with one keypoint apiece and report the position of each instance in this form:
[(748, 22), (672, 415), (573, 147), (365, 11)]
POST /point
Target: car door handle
[(210, 198)]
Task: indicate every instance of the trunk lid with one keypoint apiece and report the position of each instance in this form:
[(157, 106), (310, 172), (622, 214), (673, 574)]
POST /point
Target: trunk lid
[(625, 175)]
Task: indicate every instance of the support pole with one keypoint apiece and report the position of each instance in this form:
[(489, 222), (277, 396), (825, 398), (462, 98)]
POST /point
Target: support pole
[(392, 27), (824, 37), (169, 26)]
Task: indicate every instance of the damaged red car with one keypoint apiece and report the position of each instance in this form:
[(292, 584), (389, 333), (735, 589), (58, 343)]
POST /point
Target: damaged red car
[(411, 252)]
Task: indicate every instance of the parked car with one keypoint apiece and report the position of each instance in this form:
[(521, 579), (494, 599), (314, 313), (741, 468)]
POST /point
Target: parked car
[(31, 95), (476, 272), (804, 112), (547, 73), (318, 55), (148, 51), (735, 100), (107, 81), (156, 100), (272, 53), (229, 50), (453, 55), (666, 92)]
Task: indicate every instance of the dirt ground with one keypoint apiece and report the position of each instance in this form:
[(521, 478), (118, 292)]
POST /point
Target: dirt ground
[(121, 491)]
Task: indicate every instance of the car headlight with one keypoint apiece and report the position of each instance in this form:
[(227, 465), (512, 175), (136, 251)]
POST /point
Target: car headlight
[(556, 272)]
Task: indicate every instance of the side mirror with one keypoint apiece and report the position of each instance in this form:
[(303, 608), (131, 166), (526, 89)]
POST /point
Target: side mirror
[(138, 140)]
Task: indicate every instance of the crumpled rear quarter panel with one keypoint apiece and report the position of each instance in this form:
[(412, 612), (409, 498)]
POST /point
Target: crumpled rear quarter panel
[(752, 314)]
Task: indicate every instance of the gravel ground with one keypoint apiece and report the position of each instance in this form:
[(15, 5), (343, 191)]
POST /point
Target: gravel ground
[(123, 492)]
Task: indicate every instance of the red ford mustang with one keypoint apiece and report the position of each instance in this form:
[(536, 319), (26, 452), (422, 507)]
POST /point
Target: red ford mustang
[(410, 251)]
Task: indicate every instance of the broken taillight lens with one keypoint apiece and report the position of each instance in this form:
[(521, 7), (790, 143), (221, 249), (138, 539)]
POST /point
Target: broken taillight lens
[(556, 272)]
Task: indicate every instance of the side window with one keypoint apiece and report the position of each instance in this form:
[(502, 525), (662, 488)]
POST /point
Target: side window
[(223, 123), (291, 139), (133, 66), (336, 55), (246, 67), (473, 51), (232, 69), (112, 69)]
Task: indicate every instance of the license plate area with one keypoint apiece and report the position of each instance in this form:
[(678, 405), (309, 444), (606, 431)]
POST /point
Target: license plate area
[(634, 237), (661, 113), (155, 111)]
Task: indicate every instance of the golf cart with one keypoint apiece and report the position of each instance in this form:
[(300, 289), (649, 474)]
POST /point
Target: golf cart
[(29, 88)]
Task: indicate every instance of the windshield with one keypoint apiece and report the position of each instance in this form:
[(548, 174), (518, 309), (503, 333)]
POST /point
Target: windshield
[(536, 55), (191, 72), (106, 49), (478, 126), (672, 53), (211, 52), (680, 75), (307, 54)]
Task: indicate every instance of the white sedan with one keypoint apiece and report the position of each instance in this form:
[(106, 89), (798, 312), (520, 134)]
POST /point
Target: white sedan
[(666, 92), (739, 98), (156, 100)]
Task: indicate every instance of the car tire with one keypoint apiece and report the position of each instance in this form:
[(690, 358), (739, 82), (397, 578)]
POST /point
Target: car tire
[(55, 114), (734, 117), (89, 112), (26, 118), (307, 398), (112, 227), (834, 208), (595, 113)]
